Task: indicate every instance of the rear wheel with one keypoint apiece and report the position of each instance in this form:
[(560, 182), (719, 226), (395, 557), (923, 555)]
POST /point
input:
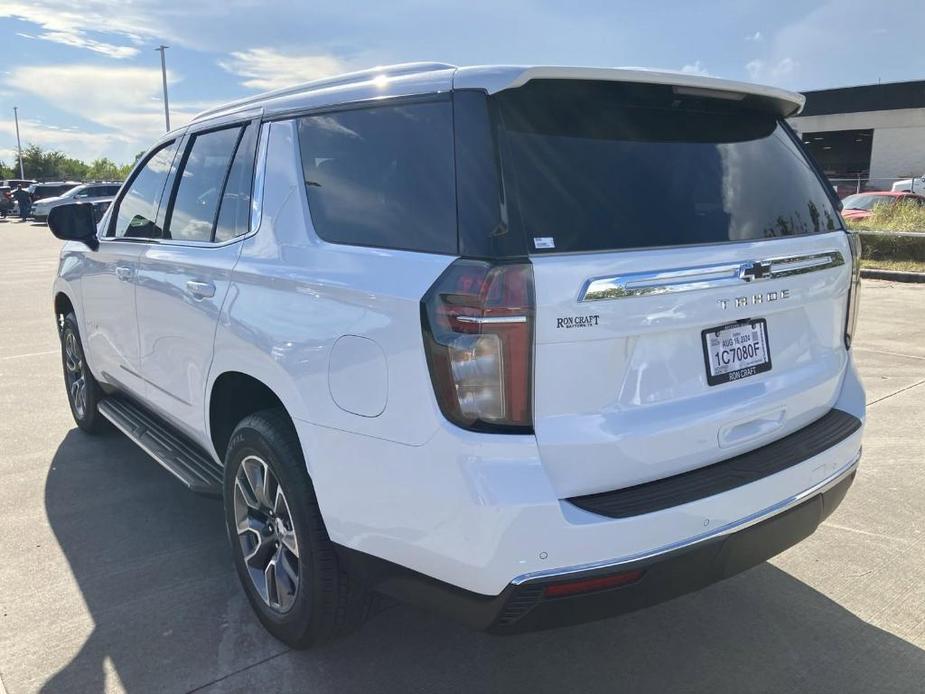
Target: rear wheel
[(284, 558), (83, 392)]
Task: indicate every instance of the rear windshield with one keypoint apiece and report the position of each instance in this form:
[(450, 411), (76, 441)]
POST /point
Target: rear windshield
[(593, 166)]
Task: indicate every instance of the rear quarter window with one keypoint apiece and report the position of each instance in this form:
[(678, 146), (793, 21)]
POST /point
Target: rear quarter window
[(382, 176)]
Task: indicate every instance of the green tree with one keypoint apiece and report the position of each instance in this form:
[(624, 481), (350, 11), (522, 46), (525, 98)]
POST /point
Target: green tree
[(104, 169), (54, 165)]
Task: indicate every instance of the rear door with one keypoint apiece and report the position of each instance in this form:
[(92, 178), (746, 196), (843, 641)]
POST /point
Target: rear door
[(691, 278), (183, 277)]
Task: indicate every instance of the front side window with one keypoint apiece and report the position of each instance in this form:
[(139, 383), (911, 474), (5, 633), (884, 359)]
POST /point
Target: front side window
[(597, 166), (382, 176), (200, 184), (137, 211)]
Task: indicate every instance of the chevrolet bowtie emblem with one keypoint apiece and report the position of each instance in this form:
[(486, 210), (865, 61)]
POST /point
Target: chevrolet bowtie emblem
[(755, 270)]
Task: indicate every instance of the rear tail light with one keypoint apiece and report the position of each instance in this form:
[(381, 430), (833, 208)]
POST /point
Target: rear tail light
[(477, 320), (854, 243)]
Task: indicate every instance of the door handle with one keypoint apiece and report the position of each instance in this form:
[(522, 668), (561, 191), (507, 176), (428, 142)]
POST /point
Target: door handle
[(124, 273), (200, 290)]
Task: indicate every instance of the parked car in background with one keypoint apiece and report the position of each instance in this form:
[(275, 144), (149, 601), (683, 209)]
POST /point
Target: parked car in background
[(910, 185), (50, 189), (14, 183), (861, 205), (6, 200), (87, 192), (607, 368)]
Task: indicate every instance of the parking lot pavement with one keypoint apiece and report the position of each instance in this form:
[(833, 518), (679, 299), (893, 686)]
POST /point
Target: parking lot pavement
[(113, 577)]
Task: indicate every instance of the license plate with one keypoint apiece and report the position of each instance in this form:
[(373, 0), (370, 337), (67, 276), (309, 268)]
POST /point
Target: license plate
[(736, 350)]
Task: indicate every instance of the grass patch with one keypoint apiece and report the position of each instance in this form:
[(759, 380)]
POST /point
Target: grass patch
[(900, 216), (892, 248), (895, 265)]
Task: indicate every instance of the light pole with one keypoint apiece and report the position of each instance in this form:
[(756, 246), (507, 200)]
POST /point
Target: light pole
[(18, 143), (161, 50)]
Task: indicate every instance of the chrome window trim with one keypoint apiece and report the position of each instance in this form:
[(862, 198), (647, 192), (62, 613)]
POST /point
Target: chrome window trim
[(706, 276), (728, 529)]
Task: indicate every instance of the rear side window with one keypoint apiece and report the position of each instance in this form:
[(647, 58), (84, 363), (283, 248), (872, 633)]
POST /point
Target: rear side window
[(234, 213), (137, 212), (200, 184), (599, 166), (382, 176)]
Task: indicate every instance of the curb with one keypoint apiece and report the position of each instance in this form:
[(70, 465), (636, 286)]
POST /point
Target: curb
[(893, 275)]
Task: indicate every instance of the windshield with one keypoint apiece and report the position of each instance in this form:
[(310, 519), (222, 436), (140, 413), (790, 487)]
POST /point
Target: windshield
[(602, 166), (866, 202)]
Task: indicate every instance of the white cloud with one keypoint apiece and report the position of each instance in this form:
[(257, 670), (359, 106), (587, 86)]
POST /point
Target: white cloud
[(757, 36), (267, 68), (78, 40), (123, 102), (772, 73), (73, 142), (69, 23), (696, 68)]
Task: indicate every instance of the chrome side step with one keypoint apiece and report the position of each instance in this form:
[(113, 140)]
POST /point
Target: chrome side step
[(184, 459)]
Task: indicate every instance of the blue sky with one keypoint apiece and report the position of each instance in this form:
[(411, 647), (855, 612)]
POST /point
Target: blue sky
[(87, 80)]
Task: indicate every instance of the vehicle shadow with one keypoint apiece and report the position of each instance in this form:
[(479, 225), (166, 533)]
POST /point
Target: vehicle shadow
[(152, 563)]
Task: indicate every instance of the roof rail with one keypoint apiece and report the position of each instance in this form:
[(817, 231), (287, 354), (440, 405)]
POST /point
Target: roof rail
[(337, 80)]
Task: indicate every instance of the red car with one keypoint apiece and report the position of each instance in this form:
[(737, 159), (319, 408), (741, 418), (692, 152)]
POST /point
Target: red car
[(861, 205)]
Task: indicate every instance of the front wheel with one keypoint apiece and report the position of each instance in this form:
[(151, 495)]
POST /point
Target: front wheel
[(83, 392), (286, 563)]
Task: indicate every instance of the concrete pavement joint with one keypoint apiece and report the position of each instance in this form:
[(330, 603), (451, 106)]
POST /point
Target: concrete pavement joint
[(201, 687), (836, 526), (892, 354), (901, 390), (29, 354)]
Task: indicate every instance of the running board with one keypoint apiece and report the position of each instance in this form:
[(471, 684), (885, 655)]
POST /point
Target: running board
[(184, 459)]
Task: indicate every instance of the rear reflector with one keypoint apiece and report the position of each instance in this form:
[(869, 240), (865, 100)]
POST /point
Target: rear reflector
[(589, 585)]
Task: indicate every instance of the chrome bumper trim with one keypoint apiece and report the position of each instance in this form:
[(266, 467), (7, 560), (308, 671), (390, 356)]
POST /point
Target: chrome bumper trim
[(728, 529)]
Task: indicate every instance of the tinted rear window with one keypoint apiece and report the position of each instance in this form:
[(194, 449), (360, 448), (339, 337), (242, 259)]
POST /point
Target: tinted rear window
[(382, 176), (602, 166)]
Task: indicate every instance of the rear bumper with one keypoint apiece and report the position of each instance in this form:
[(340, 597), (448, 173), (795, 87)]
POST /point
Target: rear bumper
[(525, 606), (479, 512)]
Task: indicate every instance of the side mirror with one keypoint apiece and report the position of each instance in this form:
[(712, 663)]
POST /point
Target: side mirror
[(74, 222)]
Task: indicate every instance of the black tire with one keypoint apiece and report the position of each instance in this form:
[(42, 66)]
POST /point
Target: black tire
[(326, 602), (83, 408)]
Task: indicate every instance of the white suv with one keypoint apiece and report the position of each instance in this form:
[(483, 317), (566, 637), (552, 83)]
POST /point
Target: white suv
[(529, 346)]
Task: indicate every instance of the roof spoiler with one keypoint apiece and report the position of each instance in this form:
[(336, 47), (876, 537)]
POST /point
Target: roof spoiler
[(495, 79)]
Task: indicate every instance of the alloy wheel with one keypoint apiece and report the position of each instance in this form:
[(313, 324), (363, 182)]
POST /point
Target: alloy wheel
[(266, 534), (76, 374)]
